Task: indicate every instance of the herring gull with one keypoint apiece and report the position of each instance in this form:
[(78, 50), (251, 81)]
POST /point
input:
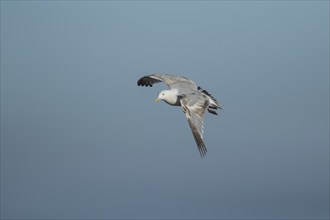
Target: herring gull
[(192, 99)]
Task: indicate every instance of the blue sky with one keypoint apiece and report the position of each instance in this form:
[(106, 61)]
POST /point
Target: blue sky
[(79, 139)]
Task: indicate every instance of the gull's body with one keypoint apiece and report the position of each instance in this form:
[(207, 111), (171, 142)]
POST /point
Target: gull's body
[(192, 99)]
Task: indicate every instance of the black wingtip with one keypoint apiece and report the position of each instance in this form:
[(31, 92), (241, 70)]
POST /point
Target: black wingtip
[(212, 112), (145, 81), (202, 151), (139, 82)]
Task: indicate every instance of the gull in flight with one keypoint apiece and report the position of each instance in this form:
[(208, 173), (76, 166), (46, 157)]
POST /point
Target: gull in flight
[(193, 100)]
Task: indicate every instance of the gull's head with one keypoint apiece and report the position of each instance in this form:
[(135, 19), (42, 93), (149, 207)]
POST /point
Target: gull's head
[(169, 96), (162, 96)]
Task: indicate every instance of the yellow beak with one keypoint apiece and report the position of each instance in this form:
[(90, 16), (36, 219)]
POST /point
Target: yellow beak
[(157, 100)]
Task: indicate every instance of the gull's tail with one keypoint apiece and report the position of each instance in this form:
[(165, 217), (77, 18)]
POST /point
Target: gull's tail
[(214, 104)]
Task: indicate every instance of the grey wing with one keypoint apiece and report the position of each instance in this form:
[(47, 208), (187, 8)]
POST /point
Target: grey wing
[(194, 106), (170, 80)]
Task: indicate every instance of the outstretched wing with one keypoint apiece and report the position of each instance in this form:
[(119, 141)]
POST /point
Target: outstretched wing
[(170, 80), (194, 106)]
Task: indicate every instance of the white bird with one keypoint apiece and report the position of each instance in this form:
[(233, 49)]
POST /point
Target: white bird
[(192, 99)]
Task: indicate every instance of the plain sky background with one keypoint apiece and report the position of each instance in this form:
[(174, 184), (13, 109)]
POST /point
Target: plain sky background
[(79, 138)]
